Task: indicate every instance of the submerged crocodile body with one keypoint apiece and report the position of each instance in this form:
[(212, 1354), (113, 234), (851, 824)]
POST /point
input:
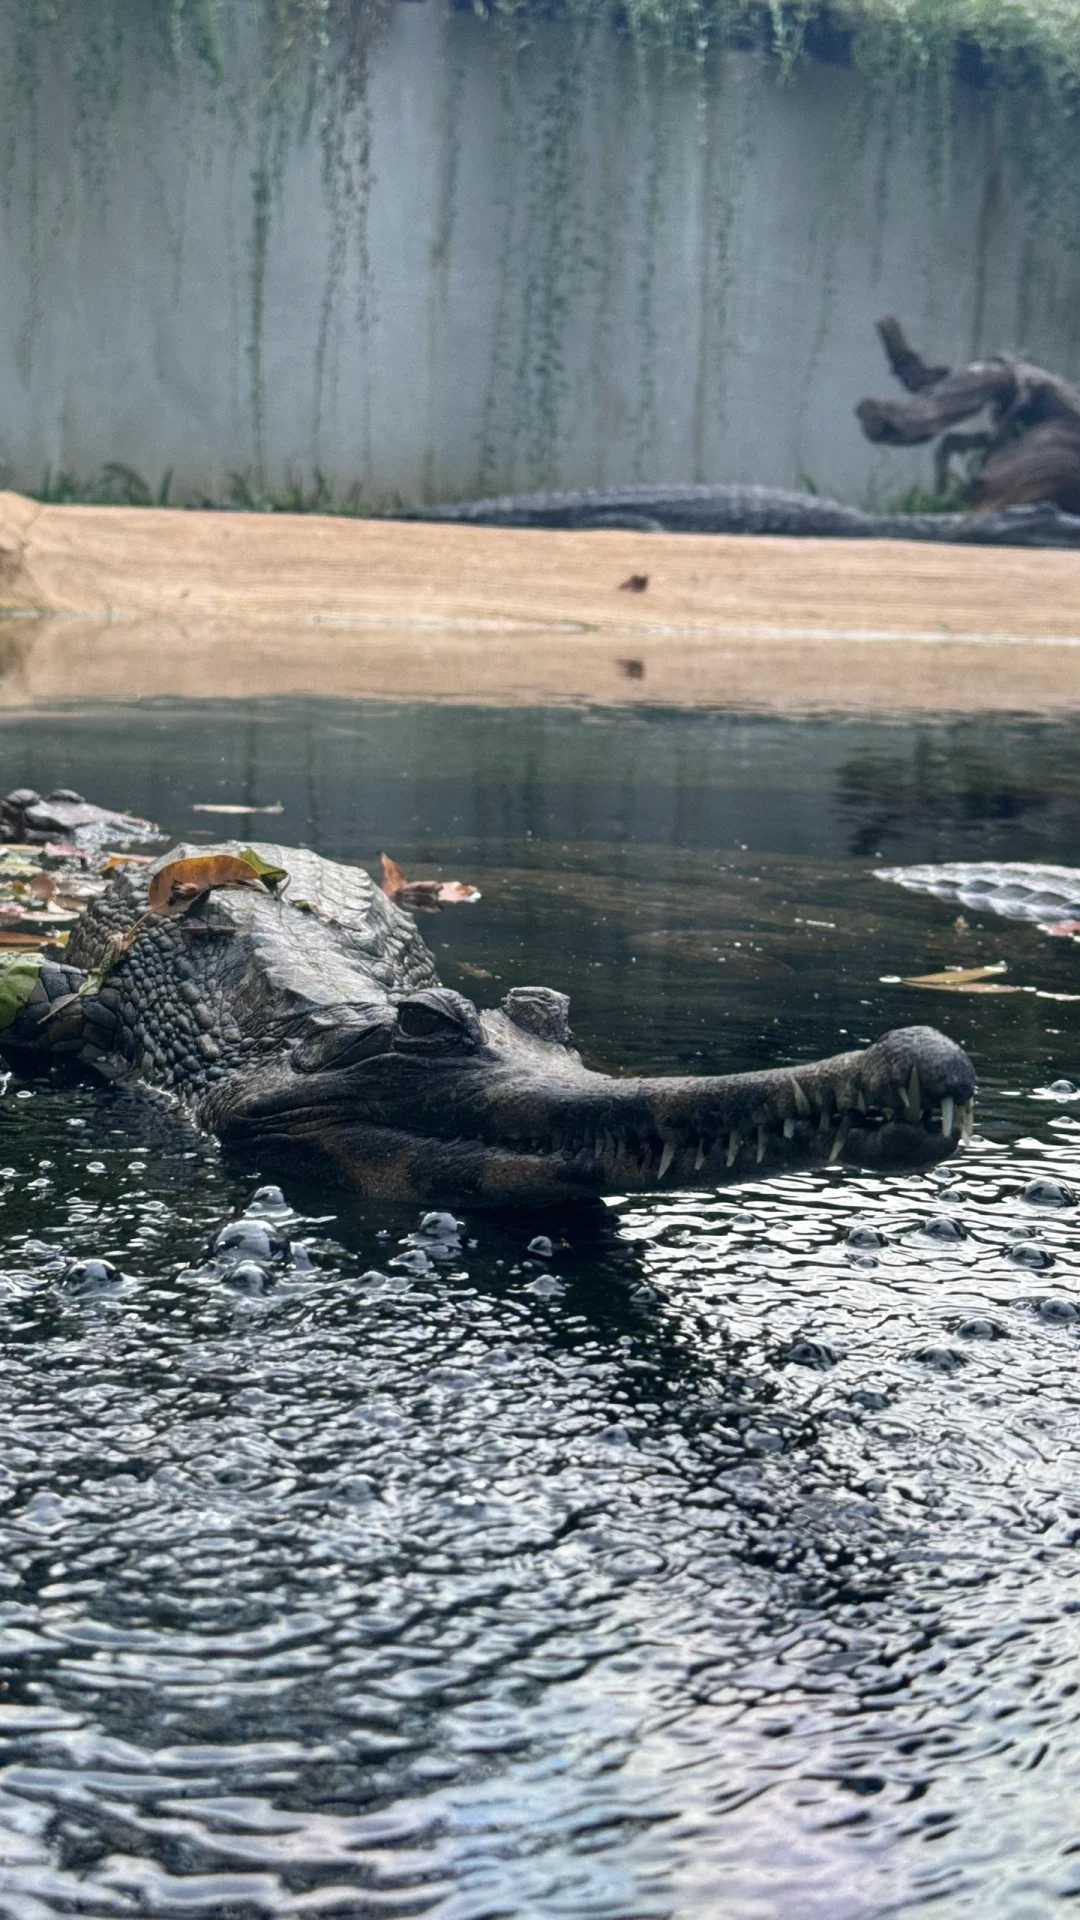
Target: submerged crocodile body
[(1015, 889), (312, 1026), (761, 510)]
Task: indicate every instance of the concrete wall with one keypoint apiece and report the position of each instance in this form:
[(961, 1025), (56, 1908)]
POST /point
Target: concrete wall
[(567, 271)]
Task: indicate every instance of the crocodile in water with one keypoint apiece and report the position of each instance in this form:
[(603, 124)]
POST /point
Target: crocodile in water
[(311, 1026)]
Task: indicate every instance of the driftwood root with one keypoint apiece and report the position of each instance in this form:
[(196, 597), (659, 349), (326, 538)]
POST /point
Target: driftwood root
[(1030, 453)]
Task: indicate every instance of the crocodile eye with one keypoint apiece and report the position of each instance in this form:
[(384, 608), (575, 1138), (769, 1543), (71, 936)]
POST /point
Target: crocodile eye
[(438, 1020)]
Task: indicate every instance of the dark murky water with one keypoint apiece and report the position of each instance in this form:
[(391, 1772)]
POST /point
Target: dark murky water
[(723, 1563)]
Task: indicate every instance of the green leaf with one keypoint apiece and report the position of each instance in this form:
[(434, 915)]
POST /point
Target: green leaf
[(271, 877), (18, 978)]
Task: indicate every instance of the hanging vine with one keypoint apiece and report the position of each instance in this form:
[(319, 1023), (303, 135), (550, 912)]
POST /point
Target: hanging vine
[(313, 55), (280, 71)]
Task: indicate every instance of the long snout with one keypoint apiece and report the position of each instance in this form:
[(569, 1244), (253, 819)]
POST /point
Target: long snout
[(905, 1101)]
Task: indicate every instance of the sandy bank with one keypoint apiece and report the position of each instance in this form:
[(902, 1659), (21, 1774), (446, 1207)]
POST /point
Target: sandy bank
[(157, 602)]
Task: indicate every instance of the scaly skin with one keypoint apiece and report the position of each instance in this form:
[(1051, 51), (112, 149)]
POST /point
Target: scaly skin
[(313, 1026), (1015, 889), (773, 510)]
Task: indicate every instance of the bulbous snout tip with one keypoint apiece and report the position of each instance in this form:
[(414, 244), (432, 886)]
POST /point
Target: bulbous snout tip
[(944, 1070)]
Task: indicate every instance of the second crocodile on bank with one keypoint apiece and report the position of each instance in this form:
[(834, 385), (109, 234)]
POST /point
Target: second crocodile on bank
[(754, 510)]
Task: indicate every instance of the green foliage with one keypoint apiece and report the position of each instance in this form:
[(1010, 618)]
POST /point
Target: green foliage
[(918, 499), (315, 53), (117, 485), (18, 978), (253, 497)]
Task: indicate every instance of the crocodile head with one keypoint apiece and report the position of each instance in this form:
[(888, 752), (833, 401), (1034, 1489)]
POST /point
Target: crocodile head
[(423, 1098)]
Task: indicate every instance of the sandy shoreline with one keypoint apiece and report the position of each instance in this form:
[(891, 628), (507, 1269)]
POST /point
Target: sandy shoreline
[(149, 603)]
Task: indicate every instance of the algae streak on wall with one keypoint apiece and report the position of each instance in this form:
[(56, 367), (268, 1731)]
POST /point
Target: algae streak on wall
[(426, 254)]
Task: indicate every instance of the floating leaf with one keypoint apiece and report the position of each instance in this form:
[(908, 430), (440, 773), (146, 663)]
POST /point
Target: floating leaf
[(117, 860), (174, 887), (965, 980), (634, 583), (47, 916), (14, 865), (18, 978), (424, 896), (223, 806), (393, 880)]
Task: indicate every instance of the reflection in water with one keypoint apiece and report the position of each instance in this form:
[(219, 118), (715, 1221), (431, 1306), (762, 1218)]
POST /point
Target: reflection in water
[(952, 781), (721, 1560)]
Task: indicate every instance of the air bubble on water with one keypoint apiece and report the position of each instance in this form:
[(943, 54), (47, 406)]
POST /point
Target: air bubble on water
[(268, 1200), (415, 1261), (865, 1237), (1061, 1311), (248, 1277), (1027, 1253), (1048, 1193)]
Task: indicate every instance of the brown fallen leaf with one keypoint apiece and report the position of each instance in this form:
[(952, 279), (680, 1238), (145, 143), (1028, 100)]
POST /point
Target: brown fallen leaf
[(634, 583), (174, 887), (117, 860), (966, 980), (424, 896), (10, 939), (226, 806), (41, 887)]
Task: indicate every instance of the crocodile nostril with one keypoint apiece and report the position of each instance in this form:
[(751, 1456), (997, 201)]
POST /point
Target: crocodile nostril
[(540, 1011)]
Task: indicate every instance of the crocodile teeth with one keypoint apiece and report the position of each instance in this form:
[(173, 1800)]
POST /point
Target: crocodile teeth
[(947, 1107), (860, 1101), (761, 1139), (914, 1095), (789, 1129), (802, 1104), (734, 1143), (699, 1157), (666, 1158), (838, 1144)]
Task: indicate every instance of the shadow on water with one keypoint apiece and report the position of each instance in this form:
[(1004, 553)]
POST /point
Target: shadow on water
[(705, 1553)]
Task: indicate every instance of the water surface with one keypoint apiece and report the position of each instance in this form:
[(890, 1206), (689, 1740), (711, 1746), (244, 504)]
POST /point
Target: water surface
[(723, 1560)]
